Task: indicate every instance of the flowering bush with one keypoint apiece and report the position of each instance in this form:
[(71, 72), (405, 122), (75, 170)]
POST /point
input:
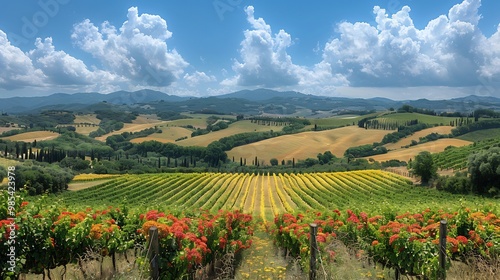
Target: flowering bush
[(407, 242)]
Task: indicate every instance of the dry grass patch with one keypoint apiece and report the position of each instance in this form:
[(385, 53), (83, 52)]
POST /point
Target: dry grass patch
[(308, 144), (32, 136), (88, 118), (130, 127), (169, 135), (432, 147), (416, 136), (235, 128), (8, 162)]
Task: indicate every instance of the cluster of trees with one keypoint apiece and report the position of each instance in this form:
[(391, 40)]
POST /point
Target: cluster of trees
[(167, 115), (284, 121), (43, 178), (122, 141), (111, 120), (365, 150), (403, 132), (409, 109), (474, 126), (483, 175)]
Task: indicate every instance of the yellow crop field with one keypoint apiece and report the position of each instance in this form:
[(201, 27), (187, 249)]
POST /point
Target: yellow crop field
[(32, 136), (416, 136), (235, 128), (433, 147), (308, 144)]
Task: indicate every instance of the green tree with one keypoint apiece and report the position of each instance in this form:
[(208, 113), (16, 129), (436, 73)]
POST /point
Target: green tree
[(3, 173), (484, 170), (274, 162), (424, 166)]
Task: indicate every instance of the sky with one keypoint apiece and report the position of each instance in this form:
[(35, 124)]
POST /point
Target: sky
[(400, 49)]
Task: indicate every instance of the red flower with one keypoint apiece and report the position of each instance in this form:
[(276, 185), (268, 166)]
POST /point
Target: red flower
[(375, 243), (489, 244), (24, 203), (393, 238), (462, 239)]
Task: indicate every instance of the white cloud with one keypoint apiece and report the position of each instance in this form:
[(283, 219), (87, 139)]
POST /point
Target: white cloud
[(61, 68), (265, 62), (449, 51), (197, 78), (16, 68), (137, 51)]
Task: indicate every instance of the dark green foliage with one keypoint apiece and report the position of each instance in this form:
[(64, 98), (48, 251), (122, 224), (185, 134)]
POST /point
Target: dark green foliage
[(486, 124), (365, 150), (457, 184), (403, 132), (170, 115), (119, 116), (3, 173), (410, 109), (274, 162), (326, 157), (42, 178), (76, 164), (424, 166), (484, 170)]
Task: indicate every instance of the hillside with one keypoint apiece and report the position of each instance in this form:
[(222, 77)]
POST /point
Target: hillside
[(432, 147), (417, 135), (307, 144)]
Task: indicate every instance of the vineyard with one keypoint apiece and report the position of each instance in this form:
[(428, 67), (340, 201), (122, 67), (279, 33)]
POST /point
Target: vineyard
[(456, 158), (204, 217), (261, 195)]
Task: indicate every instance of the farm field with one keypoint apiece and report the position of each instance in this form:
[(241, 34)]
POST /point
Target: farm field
[(341, 120), (88, 118), (132, 127), (234, 128), (432, 147), (32, 136), (169, 135), (5, 129), (264, 196), (404, 117), (481, 135), (456, 158), (308, 144), (416, 136)]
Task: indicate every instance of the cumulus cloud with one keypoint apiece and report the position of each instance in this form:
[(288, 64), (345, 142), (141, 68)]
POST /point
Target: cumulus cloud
[(198, 77), (16, 68), (62, 69), (265, 61), (137, 50), (447, 52)]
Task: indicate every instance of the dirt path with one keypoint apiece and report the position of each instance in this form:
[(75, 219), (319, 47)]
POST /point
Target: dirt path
[(264, 261)]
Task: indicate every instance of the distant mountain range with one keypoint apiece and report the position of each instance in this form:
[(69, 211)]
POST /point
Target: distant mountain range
[(258, 100)]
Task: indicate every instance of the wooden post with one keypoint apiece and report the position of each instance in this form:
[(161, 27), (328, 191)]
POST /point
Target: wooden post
[(314, 248), (153, 251), (442, 249)]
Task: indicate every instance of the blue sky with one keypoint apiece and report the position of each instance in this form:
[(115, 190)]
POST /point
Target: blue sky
[(401, 49)]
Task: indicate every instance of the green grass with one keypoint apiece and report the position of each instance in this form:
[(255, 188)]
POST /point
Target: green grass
[(481, 135), (338, 121), (428, 119)]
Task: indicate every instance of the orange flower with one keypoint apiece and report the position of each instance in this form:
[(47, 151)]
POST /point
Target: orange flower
[(375, 243), (393, 238)]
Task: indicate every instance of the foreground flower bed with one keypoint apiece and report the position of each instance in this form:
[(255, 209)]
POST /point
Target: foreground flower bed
[(49, 236), (406, 242)]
